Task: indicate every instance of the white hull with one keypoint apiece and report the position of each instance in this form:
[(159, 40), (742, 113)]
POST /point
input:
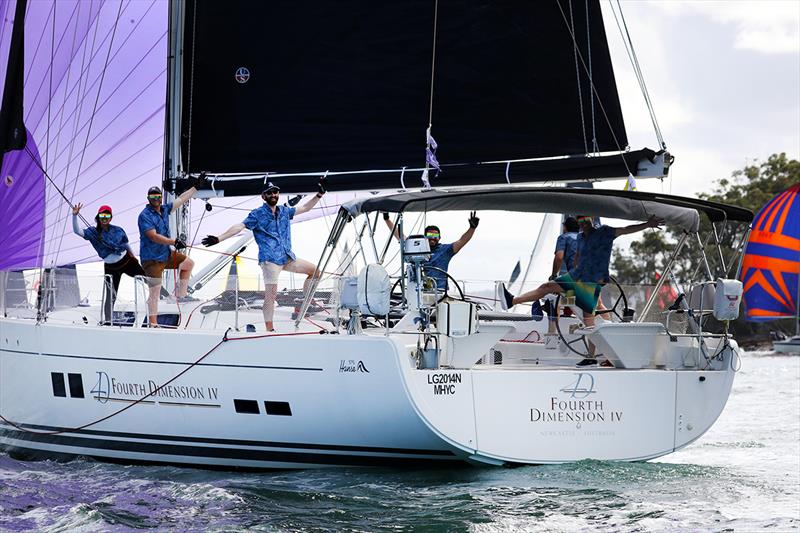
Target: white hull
[(791, 345), (334, 400)]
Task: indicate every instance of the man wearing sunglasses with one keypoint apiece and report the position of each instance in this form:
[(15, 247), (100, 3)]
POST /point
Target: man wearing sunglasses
[(111, 244), (271, 229), (587, 276), (155, 251), (441, 254)]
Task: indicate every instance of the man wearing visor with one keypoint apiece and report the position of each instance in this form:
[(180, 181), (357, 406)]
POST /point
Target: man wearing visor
[(154, 248), (271, 229), (587, 276), (441, 254)]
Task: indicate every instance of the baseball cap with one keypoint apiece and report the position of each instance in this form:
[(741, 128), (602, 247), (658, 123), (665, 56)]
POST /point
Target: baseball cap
[(104, 209), (269, 186)]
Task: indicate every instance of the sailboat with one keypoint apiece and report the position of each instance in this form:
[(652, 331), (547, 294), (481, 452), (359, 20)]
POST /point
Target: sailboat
[(397, 372), (771, 267)]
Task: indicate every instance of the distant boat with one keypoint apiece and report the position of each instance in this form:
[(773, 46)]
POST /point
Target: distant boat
[(771, 266)]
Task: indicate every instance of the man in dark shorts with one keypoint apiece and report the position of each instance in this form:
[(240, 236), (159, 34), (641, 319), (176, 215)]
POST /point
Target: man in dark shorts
[(590, 272), (154, 248)]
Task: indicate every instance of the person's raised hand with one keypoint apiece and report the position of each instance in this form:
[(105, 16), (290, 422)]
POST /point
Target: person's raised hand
[(77, 208), (473, 220), (210, 240), (654, 222)]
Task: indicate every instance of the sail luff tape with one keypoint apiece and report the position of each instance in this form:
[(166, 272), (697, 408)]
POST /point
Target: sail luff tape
[(508, 167)]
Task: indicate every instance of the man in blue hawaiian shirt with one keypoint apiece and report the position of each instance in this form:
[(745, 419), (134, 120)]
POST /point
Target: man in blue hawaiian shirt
[(154, 248), (271, 229), (441, 254), (566, 248), (588, 275)]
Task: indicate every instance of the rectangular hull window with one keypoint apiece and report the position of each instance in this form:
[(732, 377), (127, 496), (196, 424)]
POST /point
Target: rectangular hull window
[(278, 408), (75, 385), (58, 384), (246, 406)]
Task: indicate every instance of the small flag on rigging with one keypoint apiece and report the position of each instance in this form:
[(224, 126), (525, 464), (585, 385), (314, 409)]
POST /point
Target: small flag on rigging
[(630, 184)]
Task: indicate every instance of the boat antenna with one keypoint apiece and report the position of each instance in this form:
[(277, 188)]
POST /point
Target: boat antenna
[(637, 70)]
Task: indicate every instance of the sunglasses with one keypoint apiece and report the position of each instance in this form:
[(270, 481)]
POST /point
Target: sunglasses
[(104, 216), (272, 193), (154, 197), (432, 235), (585, 219)]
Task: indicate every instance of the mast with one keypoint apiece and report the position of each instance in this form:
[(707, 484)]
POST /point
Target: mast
[(179, 219)]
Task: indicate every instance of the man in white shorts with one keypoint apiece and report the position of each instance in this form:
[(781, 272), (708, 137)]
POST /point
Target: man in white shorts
[(271, 229)]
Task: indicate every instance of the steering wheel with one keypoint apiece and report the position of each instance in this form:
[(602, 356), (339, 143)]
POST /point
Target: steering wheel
[(446, 285), (445, 295), (627, 312), (568, 344)]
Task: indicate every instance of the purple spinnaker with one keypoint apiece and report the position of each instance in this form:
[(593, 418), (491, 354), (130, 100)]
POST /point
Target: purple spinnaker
[(97, 117)]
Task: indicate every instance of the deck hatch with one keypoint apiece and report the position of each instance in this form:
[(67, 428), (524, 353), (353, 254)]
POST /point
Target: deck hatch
[(75, 385), (59, 389), (278, 408), (246, 406)]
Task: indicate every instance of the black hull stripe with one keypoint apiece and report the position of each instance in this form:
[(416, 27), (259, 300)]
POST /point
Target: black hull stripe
[(235, 442), (183, 363), (185, 452)]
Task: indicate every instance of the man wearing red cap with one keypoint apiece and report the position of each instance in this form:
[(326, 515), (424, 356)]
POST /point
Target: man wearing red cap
[(111, 244)]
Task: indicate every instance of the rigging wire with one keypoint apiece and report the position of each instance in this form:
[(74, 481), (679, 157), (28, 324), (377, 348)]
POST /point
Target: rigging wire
[(594, 89), (595, 147), (578, 80), (91, 117), (631, 51)]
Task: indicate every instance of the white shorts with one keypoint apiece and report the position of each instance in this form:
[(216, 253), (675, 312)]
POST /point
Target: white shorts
[(271, 271)]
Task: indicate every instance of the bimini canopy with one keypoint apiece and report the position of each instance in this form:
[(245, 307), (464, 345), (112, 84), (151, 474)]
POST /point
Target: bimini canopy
[(626, 205)]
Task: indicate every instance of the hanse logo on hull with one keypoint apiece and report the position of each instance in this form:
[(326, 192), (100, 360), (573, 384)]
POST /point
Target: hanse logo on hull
[(349, 365)]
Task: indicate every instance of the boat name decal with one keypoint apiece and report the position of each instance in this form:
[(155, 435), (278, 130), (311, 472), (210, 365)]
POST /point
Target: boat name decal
[(577, 408), (349, 365), (109, 388), (444, 384)]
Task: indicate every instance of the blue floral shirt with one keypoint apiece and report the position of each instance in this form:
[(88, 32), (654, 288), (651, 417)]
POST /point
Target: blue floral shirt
[(272, 233), (595, 255), (568, 243), (113, 241), (440, 258), (149, 219)]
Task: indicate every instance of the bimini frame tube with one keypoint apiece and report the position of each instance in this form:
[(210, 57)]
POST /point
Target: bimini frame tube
[(330, 246), (662, 279)]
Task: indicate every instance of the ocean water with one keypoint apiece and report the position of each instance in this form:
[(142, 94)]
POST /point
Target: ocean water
[(743, 475)]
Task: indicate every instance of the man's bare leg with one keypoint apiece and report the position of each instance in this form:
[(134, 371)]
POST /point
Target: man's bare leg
[(538, 293), (152, 304), (184, 273), (270, 292)]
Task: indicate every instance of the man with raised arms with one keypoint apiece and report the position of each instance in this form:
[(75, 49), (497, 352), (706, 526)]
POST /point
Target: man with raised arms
[(589, 273), (271, 229)]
